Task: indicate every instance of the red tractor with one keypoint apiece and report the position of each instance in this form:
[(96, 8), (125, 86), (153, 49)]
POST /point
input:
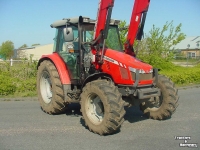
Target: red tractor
[(89, 66)]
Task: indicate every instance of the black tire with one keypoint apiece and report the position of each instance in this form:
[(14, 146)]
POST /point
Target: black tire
[(166, 104), (49, 89), (105, 102)]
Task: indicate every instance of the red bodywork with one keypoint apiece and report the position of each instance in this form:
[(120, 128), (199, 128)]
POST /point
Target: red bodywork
[(117, 64)]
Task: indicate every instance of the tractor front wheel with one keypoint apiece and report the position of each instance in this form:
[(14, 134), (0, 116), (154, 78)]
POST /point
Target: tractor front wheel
[(102, 107), (162, 107)]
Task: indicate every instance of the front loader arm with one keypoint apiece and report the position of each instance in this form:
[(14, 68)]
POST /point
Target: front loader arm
[(103, 17), (136, 26), (101, 29)]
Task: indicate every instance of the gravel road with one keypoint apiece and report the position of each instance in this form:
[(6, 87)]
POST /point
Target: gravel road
[(23, 126)]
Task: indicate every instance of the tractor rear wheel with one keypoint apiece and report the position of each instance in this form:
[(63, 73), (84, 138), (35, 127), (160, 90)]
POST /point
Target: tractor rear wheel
[(49, 89), (164, 106), (102, 107)]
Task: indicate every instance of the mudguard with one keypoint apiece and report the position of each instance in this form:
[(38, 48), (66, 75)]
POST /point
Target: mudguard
[(95, 76), (60, 65)]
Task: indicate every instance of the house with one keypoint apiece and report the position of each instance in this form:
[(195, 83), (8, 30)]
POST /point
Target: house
[(189, 47), (35, 52)]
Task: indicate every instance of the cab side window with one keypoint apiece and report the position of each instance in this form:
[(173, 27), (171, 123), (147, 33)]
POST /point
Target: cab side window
[(67, 51)]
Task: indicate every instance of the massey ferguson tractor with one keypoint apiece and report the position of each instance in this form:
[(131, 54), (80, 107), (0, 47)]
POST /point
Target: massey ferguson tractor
[(89, 66)]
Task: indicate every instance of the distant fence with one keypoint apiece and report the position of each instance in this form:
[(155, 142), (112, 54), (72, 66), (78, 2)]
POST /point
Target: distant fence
[(186, 60), (187, 57), (12, 62)]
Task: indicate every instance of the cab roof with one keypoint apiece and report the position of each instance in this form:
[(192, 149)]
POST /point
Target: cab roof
[(76, 20)]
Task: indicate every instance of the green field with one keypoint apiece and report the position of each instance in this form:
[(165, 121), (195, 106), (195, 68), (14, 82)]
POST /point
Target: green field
[(18, 80)]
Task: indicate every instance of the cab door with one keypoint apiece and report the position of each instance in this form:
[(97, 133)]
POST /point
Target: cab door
[(68, 50)]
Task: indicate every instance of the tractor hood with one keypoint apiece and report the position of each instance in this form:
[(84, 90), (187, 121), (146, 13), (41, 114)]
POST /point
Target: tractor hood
[(127, 61)]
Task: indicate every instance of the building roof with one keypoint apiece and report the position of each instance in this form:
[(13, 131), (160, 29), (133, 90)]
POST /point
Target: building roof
[(192, 42), (33, 47)]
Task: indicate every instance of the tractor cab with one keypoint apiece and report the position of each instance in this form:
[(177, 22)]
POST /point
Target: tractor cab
[(72, 41)]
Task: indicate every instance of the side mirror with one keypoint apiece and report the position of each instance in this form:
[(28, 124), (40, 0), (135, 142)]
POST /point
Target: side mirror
[(68, 34)]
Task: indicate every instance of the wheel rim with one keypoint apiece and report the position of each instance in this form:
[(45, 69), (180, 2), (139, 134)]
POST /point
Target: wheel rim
[(46, 87), (155, 102), (94, 109)]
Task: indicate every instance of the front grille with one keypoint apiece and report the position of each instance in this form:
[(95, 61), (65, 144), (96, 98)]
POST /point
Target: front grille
[(124, 73), (142, 76)]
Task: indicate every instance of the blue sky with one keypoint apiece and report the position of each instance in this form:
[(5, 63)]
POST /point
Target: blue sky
[(28, 21)]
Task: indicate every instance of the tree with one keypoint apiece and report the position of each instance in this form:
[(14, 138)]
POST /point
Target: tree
[(20, 52), (123, 29), (157, 46), (23, 46), (7, 49)]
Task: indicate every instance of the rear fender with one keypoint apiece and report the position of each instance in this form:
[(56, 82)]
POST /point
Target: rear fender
[(60, 65)]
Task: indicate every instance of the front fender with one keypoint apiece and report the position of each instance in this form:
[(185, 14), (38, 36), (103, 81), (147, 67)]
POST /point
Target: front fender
[(95, 76), (60, 65)]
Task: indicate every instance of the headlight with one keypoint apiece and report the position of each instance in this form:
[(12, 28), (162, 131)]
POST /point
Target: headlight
[(140, 70)]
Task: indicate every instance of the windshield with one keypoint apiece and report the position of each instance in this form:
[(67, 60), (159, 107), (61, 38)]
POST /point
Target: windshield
[(88, 30), (112, 41)]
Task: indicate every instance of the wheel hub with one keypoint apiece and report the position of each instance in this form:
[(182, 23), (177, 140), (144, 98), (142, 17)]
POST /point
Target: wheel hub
[(46, 87), (154, 103), (99, 108), (95, 109)]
